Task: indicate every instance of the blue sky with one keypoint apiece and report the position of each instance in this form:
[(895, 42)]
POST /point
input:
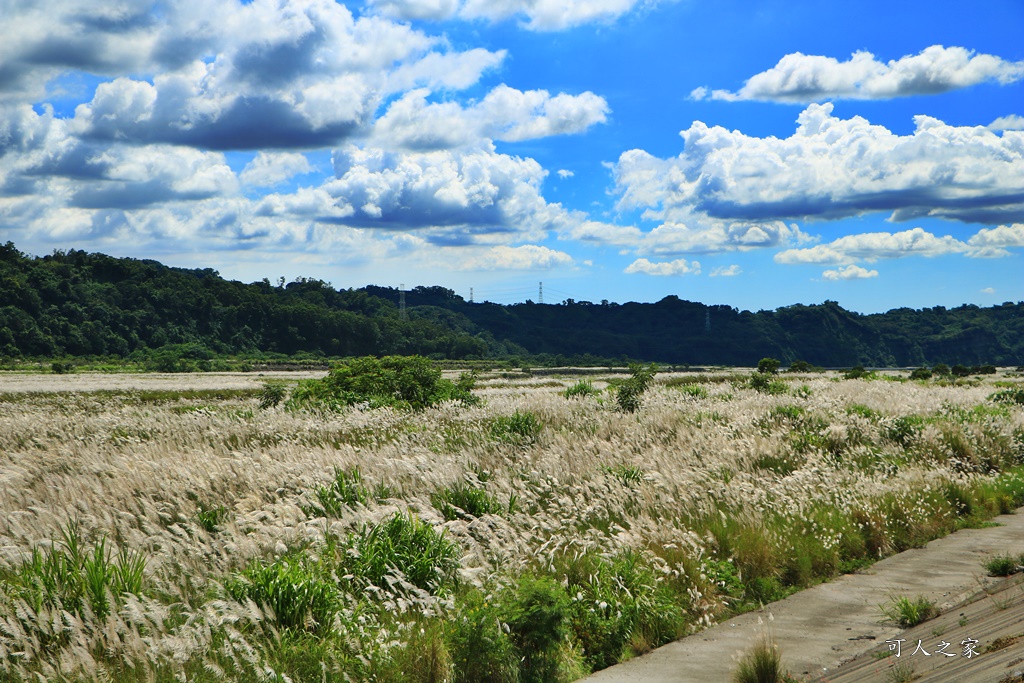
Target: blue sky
[(755, 154)]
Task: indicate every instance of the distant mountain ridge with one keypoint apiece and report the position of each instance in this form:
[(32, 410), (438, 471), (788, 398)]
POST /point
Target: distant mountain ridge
[(77, 303)]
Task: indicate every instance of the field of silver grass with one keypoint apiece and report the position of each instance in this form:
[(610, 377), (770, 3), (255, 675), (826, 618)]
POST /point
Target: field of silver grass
[(136, 524)]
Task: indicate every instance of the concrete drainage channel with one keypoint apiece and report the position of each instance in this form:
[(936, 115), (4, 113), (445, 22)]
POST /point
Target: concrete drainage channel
[(818, 629)]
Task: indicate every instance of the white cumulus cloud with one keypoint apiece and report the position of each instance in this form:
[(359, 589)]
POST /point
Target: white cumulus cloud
[(830, 168), (504, 114), (678, 267), (849, 273), (523, 257), (810, 78)]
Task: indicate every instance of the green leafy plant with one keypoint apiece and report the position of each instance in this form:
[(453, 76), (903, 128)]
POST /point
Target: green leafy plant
[(464, 499), (346, 490), (272, 394), (908, 612), (766, 384), (405, 545), (69, 575), (210, 518), (299, 596), (768, 366), (628, 475), (628, 394), (921, 373), (1004, 565), (1010, 396), (538, 621), (519, 428)]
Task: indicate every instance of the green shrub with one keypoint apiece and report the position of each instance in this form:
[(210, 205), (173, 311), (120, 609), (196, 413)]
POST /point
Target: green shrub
[(765, 384), (903, 430), (405, 545), (858, 372), (768, 366), (619, 604), (694, 390), (59, 368), (519, 428), (463, 499), (272, 394), (538, 621), (628, 394), (481, 649), (921, 373), (398, 381), (1011, 396), (581, 389), (802, 366)]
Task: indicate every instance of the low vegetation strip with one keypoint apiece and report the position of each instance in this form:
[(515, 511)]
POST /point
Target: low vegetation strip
[(531, 533)]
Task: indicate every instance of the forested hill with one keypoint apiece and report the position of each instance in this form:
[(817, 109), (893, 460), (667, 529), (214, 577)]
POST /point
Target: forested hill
[(75, 303)]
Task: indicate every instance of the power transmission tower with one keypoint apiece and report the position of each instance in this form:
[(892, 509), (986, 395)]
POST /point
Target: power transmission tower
[(401, 301), (470, 295), (540, 294), (707, 320)]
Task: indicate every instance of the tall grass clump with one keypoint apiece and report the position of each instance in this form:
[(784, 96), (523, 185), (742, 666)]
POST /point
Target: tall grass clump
[(292, 590), (404, 546), (517, 428), (462, 499), (410, 382), (909, 612), (346, 491), (581, 389), (762, 664), (75, 576)]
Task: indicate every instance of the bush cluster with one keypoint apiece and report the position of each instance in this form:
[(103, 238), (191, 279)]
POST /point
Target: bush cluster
[(410, 382)]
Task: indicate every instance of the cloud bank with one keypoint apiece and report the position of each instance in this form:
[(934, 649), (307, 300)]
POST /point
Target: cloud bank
[(804, 78)]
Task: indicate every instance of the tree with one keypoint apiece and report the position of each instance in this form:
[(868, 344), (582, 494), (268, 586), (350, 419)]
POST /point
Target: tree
[(768, 366)]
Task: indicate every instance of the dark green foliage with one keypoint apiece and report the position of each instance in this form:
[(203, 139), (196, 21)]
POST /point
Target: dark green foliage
[(75, 304), (766, 384), (768, 366), (858, 372), (921, 373), (410, 382), (481, 649), (538, 620), (1010, 396), (464, 499), (629, 394), (619, 603), (802, 366), (59, 368), (272, 394)]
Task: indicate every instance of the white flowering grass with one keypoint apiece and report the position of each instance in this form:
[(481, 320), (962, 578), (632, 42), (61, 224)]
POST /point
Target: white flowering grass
[(653, 522)]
